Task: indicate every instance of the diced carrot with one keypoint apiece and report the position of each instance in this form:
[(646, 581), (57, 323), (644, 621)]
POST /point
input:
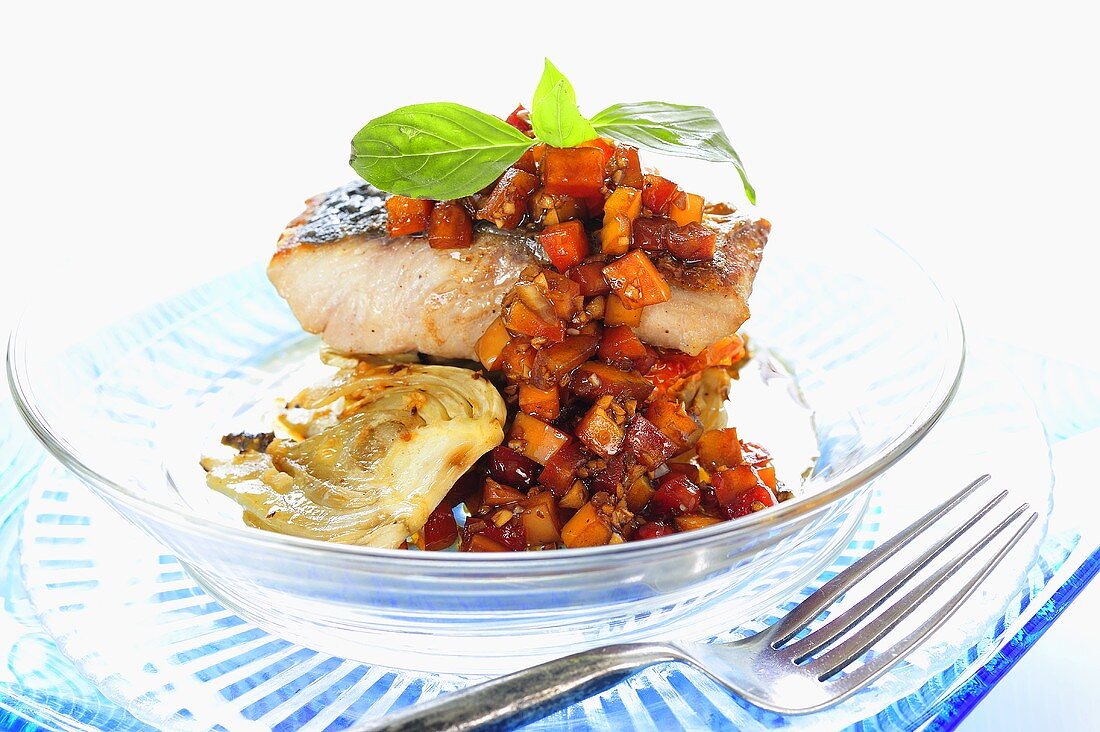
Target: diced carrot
[(566, 244), (593, 380), (575, 497), (491, 343), (520, 118), (695, 521), (554, 363), (588, 527), (729, 484), (756, 498), (693, 242), (517, 359), (604, 145), (767, 476), (542, 403), (450, 226), (686, 208), (617, 313), (406, 215), (639, 493), (619, 212), (528, 311), (636, 281), (620, 347), (564, 294), (535, 439), (599, 432), (719, 449), (589, 276), (507, 203), (657, 193), (624, 168), (574, 171)]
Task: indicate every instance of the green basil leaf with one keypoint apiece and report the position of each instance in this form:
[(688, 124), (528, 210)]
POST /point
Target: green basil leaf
[(674, 129), (439, 151), (554, 114)]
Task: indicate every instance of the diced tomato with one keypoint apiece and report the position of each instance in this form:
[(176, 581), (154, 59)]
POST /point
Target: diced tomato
[(599, 432), (657, 193), (652, 234), (672, 419), (507, 203), (542, 403), (676, 495), (535, 439), (647, 443), (686, 208), (520, 118), (561, 469), (620, 347), (509, 467), (693, 242), (624, 168), (636, 281), (574, 171), (406, 215), (590, 278), (617, 313), (653, 530), (450, 226), (719, 449), (565, 244), (440, 531), (593, 380), (554, 363), (755, 499)]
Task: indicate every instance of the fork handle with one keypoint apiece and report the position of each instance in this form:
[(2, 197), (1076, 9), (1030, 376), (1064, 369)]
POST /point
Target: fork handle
[(524, 696)]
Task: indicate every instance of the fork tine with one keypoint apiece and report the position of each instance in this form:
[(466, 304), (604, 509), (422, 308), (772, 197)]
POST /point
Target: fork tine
[(836, 627), (812, 606), (851, 649)]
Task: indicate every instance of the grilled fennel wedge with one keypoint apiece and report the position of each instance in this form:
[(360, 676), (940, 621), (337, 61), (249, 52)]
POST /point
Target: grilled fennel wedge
[(398, 438)]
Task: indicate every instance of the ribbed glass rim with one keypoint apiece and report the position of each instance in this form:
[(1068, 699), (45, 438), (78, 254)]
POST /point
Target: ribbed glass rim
[(21, 384)]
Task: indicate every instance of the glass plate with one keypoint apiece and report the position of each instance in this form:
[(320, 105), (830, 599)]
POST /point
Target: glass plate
[(186, 662)]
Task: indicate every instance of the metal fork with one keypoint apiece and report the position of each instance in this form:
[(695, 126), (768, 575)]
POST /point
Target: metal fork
[(771, 669)]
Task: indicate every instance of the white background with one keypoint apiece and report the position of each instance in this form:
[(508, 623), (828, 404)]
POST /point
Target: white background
[(145, 148)]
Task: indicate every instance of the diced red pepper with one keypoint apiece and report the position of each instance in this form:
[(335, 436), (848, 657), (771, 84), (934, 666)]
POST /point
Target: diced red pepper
[(511, 535), (561, 470), (565, 244), (647, 443), (450, 226), (676, 495), (740, 491), (620, 347), (636, 281), (652, 234), (693, 243), (406, 215), (593, 380), (755, 499), (574, 171), (507, 203), (520, 118), (590, 278), (653, 530), (440, 531), (624, 168), (657, 193)]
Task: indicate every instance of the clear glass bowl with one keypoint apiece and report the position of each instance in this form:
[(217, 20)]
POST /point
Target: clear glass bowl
[(875, 348)]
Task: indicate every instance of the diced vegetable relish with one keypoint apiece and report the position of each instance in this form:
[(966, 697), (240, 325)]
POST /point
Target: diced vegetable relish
[(599, 450)]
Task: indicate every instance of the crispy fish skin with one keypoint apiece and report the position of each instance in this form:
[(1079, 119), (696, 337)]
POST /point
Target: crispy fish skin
[(365, 292)]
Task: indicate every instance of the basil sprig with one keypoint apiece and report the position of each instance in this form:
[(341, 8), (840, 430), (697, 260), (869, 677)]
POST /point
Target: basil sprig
[(445, 150)]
